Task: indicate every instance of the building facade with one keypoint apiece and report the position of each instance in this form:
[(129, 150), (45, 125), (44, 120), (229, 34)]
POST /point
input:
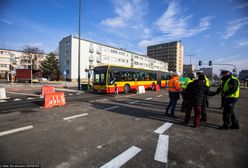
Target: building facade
[(243, 75), (94, 54), (188, 69), (10, 60), (172, 53)]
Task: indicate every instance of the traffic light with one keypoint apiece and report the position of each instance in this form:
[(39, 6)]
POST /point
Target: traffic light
[(210, 63), (200, 63)]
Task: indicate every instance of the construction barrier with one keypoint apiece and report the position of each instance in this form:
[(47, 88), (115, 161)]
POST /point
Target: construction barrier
[(141, 89), (46, 89), (157, 88), (54, 99), (2, 93)]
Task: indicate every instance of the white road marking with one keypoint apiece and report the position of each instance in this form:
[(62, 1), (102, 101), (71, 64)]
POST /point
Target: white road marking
[(3, 101), (159, 95), (75, 116), (30, 98), (17, 99), (149, 98), (110, 108), (122, 158), (133, 102), (16, 130), (162, 149), (163, 128), (26, 94), (70, 94)]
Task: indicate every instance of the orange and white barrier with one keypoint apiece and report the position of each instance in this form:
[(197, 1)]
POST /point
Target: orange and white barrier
[(2, 93), (54, 99), (46, 89), (141, 89)]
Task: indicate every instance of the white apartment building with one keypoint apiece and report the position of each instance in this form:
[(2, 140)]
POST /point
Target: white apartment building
[(94, 54), (17, 60)]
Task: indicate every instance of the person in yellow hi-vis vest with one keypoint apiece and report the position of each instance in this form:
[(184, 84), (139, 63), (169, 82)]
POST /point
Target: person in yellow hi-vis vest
[(230, 89)]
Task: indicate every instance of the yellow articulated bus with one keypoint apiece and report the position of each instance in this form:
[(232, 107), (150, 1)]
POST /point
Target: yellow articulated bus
[(126, 79)]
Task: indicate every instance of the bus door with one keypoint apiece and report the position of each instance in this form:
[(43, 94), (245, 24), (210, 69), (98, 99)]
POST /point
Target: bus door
[(159, 78)]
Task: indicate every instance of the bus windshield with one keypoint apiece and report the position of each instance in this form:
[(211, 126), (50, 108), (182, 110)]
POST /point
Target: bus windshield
[(100, 75)]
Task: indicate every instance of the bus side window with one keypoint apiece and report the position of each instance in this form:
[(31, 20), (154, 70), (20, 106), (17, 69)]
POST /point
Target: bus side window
[(142, 76), (118, 76), (137, 76), (147, 76)]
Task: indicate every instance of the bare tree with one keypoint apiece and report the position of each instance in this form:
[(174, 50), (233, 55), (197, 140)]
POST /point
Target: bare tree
[(33, 50)]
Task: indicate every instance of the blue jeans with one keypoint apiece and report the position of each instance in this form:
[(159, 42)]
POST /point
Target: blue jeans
[(229, 116), (171, 106)]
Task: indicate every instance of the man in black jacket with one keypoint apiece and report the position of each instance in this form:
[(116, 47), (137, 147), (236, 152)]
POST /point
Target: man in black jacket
[(194, 97), (229, 89)]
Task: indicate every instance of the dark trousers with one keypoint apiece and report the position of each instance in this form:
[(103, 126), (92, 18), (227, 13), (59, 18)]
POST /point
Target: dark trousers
[(222, 101), (197, 110), (183, 102), (171, 106), (229, 116), (203, 109)]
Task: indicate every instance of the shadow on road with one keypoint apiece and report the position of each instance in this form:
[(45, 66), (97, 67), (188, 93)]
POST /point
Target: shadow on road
[(149, 114)]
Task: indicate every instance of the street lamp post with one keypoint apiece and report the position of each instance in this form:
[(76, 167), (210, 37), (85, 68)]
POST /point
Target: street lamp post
[(190, 55), (79, 39), (65, 78), (31, 67)]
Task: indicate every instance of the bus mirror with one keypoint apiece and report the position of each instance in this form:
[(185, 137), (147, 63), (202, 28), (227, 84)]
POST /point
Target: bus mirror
[(112, 82)]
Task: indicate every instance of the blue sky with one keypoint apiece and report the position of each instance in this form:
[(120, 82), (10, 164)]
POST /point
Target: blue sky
[(214, 30)]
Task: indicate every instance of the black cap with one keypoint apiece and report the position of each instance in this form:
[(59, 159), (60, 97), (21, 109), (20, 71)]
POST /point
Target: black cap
[(223, 71), (201, 77)]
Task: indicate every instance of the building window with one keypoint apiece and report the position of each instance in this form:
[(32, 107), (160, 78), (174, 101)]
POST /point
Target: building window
[(66, 53), (67, 62), (114, 51), (67, 43)]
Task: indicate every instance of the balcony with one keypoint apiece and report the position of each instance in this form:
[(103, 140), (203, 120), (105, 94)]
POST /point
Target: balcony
[(91, 58), (91, 50), (91, 66), (98, 51), (98, 59)]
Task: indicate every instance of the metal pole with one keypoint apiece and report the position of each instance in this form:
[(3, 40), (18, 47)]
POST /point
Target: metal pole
[(190, 55), (79, 39), (31, 70), (65, 82)]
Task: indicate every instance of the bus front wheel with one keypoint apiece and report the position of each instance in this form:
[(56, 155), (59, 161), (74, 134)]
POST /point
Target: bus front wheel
[(126, 88)]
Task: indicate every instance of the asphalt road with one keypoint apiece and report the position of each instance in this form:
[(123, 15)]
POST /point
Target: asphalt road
[(109, 126)]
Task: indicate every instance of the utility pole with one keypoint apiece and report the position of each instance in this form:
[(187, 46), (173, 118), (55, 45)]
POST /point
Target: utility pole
[(31, 67), (79, 39), (190, 55)]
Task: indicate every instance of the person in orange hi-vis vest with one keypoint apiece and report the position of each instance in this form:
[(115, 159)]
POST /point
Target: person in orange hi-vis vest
[(175, 89)]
